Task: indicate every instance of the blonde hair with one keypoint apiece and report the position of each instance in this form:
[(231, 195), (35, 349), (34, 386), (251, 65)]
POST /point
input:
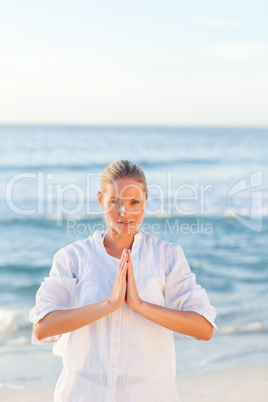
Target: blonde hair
[(122, 169)]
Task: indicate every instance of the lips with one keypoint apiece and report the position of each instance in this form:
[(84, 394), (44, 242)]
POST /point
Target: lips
[(125, 222)]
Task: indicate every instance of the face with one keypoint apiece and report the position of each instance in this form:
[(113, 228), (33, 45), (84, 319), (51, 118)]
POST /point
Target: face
[(124, 203)]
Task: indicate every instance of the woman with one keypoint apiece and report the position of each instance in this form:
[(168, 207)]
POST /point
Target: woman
[(113, 299)]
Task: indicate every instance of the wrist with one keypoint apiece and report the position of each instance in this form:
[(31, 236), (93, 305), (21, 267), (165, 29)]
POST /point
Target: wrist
[(139, 306), (111, 306)]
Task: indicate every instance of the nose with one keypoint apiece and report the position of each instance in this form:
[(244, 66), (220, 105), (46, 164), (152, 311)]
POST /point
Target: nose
[(122, 210)]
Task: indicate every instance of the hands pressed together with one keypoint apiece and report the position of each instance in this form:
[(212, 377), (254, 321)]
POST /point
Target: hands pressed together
[(185, 322), (125, 285)]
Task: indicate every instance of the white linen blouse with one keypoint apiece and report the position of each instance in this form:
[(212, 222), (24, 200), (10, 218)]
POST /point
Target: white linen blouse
[(122, 356)]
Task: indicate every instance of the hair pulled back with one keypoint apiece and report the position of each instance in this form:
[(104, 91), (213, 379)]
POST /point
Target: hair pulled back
[(122, 169)]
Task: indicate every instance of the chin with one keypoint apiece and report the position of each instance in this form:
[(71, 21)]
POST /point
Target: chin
[(125, 230)]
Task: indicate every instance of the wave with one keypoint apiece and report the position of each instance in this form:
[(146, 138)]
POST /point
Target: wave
[(96, 166), (26, 290), (50, 222), (255, 326), (18, 268), (162, 218), (100, 166), (14, 321), (227, 355), (14, 387)]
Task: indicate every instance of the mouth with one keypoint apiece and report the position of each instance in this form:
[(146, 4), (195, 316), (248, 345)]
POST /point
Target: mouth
[(125, 223)]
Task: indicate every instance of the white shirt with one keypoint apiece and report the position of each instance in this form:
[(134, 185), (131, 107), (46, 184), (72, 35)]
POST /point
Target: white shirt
[(122, 357)]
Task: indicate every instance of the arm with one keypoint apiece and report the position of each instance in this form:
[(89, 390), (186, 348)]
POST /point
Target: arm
[(58, 322), (61, 321), (184, 322)]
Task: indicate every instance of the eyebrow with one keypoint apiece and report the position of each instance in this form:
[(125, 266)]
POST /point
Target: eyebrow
[(128, 197)]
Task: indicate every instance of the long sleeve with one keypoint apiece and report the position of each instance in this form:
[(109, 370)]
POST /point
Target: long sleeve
[(57, 292), (181, 290)]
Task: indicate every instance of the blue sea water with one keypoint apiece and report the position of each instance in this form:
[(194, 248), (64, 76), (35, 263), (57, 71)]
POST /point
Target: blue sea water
[(208, 191)]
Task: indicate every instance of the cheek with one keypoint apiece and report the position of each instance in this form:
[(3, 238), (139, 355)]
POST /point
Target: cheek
[(111, 210), (139, 210), (139, 214)]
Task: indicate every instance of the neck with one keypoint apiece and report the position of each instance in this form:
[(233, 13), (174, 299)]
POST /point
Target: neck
[(118, 242)]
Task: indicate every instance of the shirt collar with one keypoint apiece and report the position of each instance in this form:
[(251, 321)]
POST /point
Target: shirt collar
[(99, 234)]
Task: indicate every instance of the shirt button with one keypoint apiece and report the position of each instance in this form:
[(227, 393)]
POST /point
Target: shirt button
[(116, 324), (114, 343), (113, 366)]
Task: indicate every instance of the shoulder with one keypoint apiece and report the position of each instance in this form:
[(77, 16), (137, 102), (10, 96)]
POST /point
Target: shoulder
[(77, 248), (162, 250), (169, 255), (161, 244), (67, 260)]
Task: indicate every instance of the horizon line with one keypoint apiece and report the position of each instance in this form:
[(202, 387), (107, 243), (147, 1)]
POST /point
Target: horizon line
[(132, 125)]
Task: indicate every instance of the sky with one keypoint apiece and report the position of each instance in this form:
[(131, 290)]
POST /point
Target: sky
[(149, 62)]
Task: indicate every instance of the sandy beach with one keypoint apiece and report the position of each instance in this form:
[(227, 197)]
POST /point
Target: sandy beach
[(239, 385)]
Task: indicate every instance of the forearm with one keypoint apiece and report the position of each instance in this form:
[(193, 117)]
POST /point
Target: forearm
[(184, 322), (62, 321)]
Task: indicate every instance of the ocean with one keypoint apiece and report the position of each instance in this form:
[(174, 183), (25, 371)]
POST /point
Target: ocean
[(208, 192)]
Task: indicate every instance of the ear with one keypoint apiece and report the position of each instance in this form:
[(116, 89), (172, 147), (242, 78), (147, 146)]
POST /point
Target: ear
[(147, 192), (99, 197)]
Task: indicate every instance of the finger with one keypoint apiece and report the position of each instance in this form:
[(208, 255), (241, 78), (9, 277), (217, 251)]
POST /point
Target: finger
[(127, 255), (122, 255), (124, 269), (130, 263), (131, 271), (122, 260)]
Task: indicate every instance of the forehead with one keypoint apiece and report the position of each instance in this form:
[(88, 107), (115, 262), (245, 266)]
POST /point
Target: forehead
[(124, 188)]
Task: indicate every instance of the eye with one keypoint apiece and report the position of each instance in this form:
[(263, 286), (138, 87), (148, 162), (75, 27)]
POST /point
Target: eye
[(135, 202), (114, 202)]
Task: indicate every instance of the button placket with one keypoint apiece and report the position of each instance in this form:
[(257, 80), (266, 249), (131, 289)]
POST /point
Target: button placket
[(113, 355), (114, 343)]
